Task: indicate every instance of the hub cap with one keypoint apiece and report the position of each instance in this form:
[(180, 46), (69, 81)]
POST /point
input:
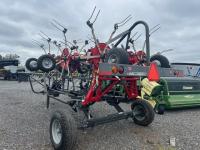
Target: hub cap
[(56, 131), (47, 63), (33, 64), (139, 112)]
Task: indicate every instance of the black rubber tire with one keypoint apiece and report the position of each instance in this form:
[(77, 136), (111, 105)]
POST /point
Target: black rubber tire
[(164, 62), (147, 109), (42, 67), (68, 131), (160, 109), (29, 66), (119, 53)]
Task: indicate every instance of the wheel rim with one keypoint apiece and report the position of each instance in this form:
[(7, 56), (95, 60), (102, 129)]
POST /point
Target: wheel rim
[(47, 63), (113, 59), (56, 131), (33, 64), (157, 62), (139, 112)]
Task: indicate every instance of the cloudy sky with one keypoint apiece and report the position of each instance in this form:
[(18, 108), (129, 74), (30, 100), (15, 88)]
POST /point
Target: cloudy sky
[(21, 21)]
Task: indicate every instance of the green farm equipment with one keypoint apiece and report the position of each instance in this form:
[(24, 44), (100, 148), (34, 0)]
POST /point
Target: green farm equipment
[(171, 92)]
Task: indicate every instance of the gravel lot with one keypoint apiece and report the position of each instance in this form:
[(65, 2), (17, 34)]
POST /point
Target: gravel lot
[(24, 124)]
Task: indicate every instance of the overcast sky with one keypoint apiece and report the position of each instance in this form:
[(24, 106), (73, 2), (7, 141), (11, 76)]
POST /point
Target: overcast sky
[(21, 20)]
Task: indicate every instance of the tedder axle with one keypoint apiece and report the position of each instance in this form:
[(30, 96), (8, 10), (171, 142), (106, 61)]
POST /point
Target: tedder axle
[(108, 118)]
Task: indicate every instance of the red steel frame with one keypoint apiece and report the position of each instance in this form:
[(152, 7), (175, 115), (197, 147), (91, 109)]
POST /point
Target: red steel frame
[(96, 92)]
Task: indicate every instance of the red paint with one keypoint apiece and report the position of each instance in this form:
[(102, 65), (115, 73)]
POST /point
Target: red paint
[(94, 52), (96, 92), (136, 57)]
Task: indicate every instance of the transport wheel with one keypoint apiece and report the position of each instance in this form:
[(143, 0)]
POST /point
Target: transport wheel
[(46, 63), (160, 109), (63, 131), (160, 60), (117, 55), (31, 64), (143, 113)]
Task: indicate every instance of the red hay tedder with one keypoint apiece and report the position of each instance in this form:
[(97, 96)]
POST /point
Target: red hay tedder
[(101, 71)]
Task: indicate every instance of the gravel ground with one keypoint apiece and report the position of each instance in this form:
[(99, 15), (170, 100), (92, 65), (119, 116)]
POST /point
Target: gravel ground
[(24, 124)]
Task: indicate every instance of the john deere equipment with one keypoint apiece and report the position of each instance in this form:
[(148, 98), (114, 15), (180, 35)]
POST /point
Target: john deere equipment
[(171, 92)]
